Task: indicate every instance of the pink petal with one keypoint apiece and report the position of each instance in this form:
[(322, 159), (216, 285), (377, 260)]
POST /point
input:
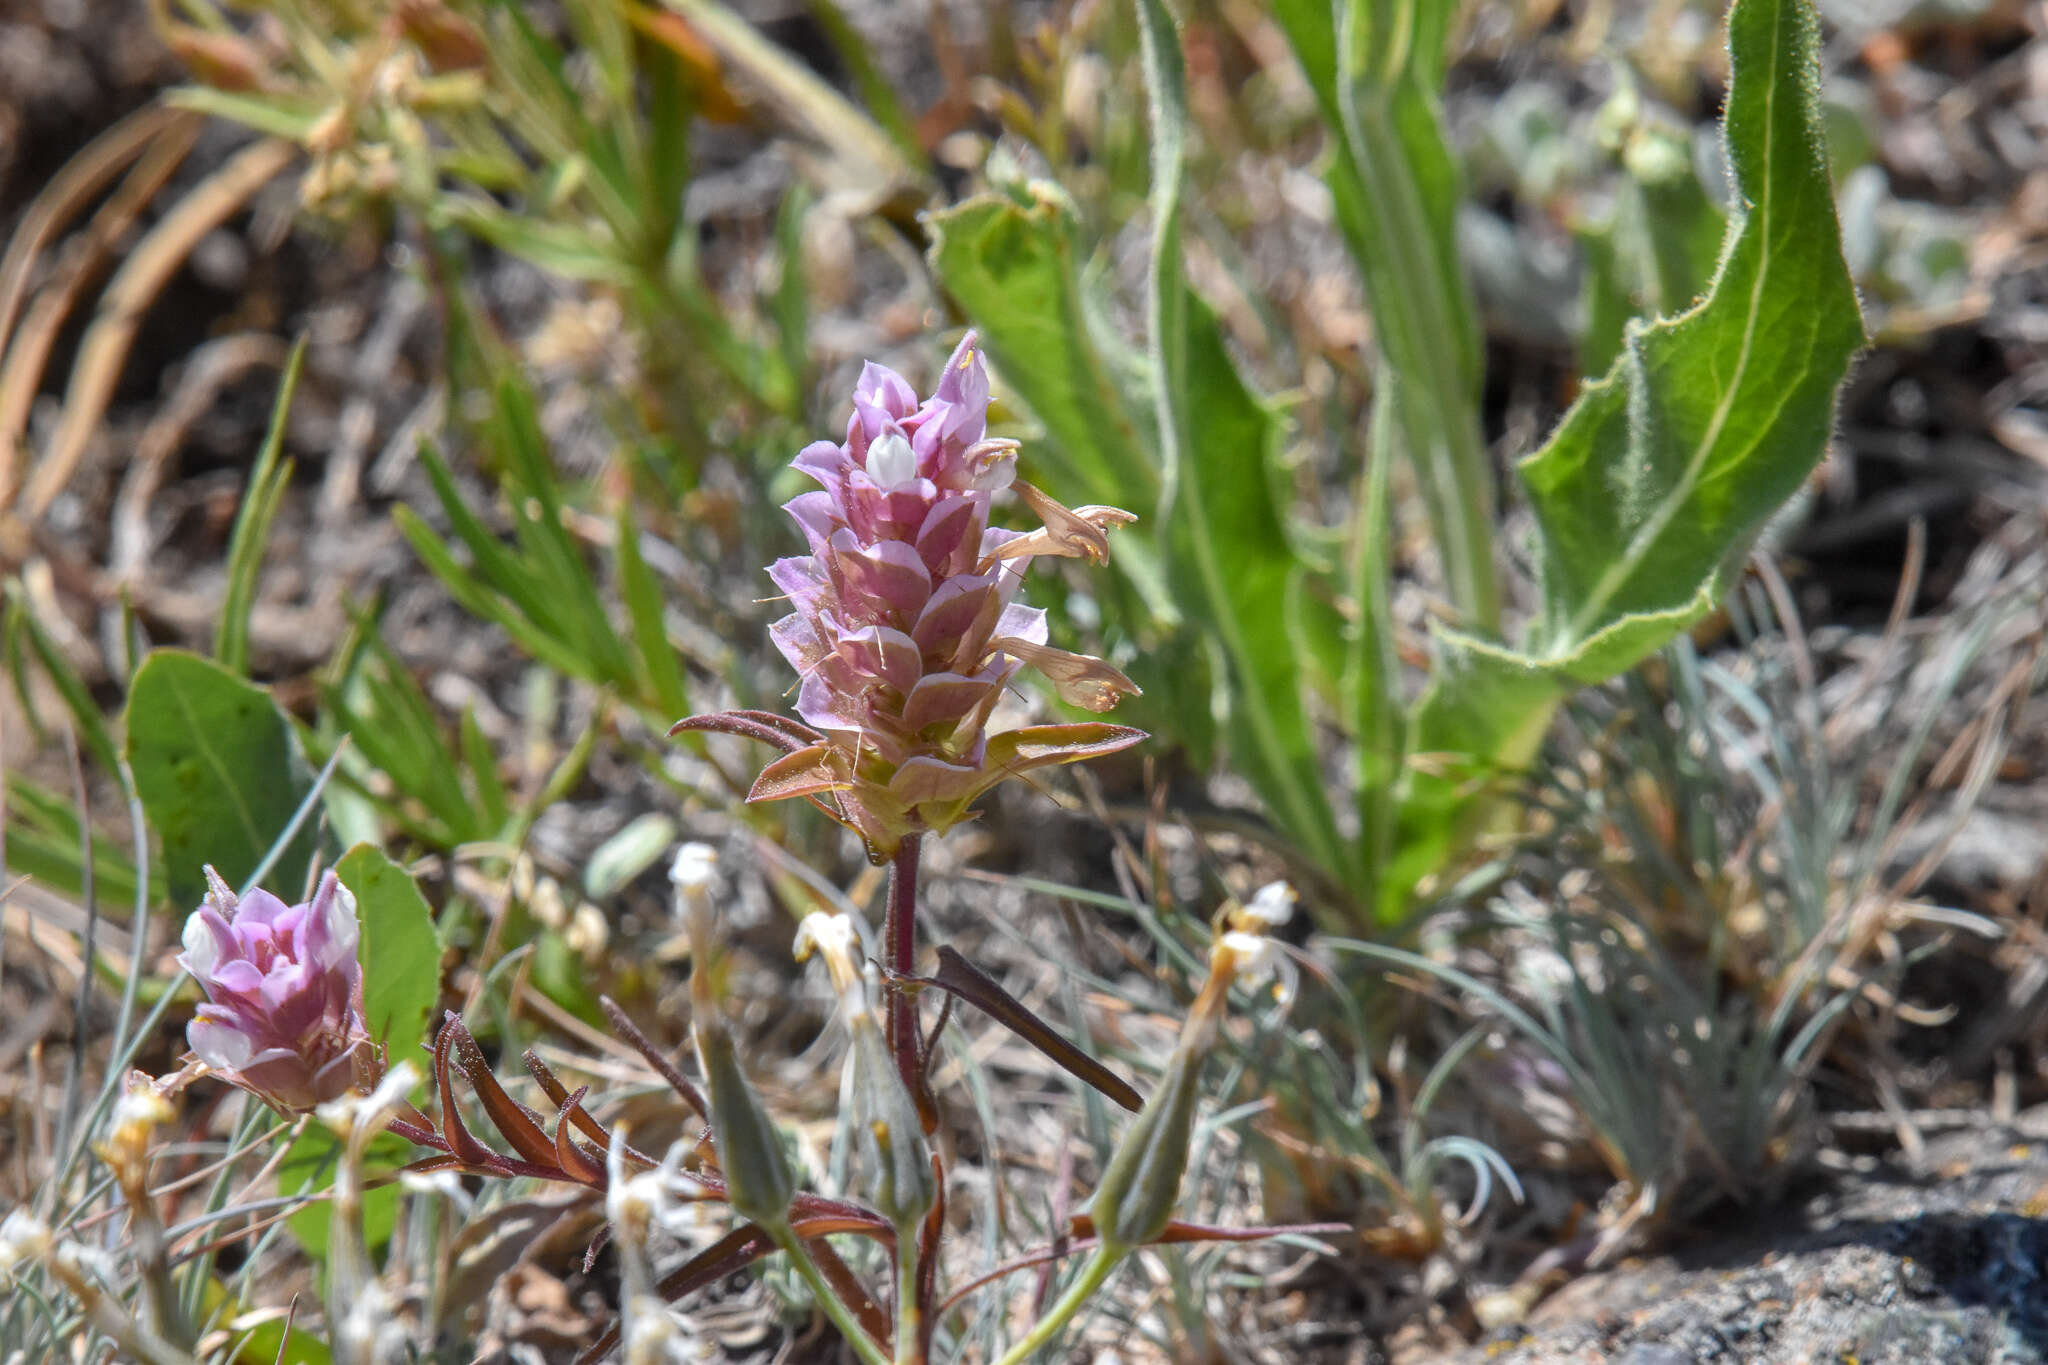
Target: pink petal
[(956, 621), (219, 1044), (259, 907), (883, 653), (949, 539), (1023, 623), (944, 699), (889, 576)]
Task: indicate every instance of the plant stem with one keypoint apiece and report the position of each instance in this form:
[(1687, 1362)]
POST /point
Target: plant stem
[(900, 931), (909, 1318), (835, 1308), (1100, 1265)]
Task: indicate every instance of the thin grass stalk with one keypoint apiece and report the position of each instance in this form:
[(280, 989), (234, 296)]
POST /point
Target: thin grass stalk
[(74, 1075), (1093, 1275)]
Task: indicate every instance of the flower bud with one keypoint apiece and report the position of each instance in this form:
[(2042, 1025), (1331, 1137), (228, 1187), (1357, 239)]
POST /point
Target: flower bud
[(886, 1124), (283, 1013), (758, 1181), (1134, 1201)]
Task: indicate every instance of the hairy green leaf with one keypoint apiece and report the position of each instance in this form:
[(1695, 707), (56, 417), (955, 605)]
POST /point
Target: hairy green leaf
[(1656, 482), (1227, 547)]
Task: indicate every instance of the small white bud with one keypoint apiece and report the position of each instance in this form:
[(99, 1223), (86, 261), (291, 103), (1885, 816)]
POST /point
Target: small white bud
[(694, 867), (1254, 959), (830, 934), (23, 1237), (891, 461), (1272, 904)]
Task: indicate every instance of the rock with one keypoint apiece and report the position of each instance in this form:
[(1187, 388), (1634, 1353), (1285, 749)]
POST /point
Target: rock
[(1882, 1267)]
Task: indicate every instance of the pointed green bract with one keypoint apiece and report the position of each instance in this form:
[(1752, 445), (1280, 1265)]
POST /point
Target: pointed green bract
[(1657, 481), (401, 957)]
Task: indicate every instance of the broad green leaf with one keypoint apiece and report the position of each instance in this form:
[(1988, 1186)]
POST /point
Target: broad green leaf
[(1654, 485), (1015, 268), (309, 1166), (1227, 547), (269, 1341), (1660, 474), (220, 773), (401, 960), (400, 956), (260, 501)]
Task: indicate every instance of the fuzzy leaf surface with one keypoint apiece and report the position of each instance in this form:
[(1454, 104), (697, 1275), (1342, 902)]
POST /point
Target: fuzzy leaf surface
[(1655, 484)]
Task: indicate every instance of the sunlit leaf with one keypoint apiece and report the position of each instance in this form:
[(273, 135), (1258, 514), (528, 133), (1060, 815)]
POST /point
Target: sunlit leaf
[(220, 773), (1656, 482)]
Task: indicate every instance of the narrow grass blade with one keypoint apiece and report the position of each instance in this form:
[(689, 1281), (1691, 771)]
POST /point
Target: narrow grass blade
[(267, 481)]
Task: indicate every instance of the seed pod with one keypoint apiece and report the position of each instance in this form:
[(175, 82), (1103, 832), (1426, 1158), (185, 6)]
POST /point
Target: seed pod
[(758, 1182), (890, 1131)]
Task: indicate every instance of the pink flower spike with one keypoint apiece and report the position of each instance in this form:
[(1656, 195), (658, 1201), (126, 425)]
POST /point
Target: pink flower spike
[(283, 1017), (903, 623)]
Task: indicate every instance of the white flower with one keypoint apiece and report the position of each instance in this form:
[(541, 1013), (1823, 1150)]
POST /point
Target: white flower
[(1254, 959), (832, 935), (694, 867), (839, 941), (1271, 905), (891, 461), (23, 1237)]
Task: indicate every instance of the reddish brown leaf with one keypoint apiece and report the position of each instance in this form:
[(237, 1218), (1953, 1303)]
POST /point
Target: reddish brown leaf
[(518, 1125), (764, 726), (585, 1166), (957, 976), (460, 1144), (807, 772)]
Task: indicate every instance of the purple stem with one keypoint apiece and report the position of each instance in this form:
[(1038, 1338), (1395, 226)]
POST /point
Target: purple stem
[(900, 930)]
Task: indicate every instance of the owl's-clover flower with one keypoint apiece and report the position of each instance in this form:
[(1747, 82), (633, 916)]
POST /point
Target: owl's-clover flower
[(283, 1017), (906, 627)]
